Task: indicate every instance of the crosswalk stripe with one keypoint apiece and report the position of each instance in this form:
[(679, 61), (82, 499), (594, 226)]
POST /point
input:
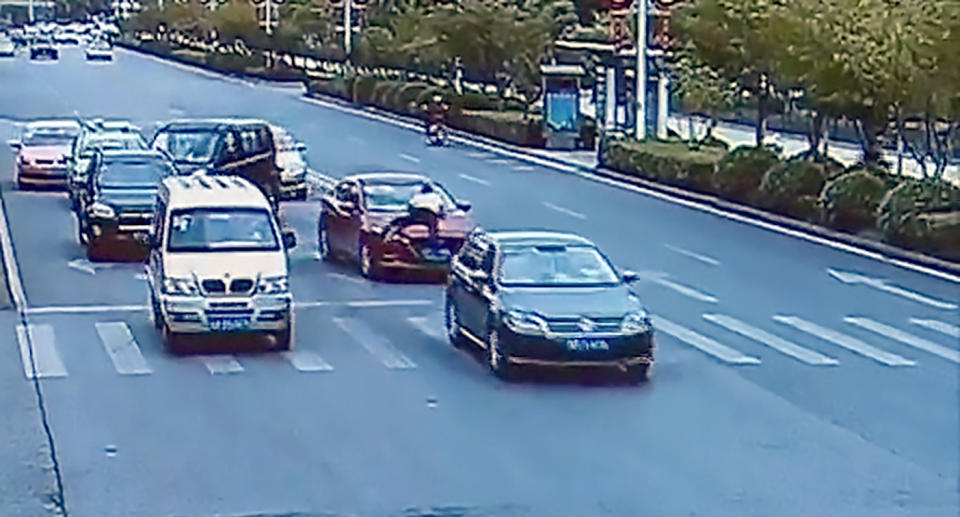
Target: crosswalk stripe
[(703, 343), (122, 348), (905, 338), (306, 361), (499, 161), (376, 344), (41, 339), (220, 364), (775, 342), (476, 154), (939, 326), (524, 168), (423, 324), (850, 343)]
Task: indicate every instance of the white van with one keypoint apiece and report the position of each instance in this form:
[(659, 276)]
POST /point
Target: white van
[(218, 261)]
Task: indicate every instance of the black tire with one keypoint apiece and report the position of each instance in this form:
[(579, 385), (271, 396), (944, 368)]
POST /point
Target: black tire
[(157, 313), (639, 373), (323, 244), (452, 326), (369, 262), (498, 363), (283, 339), (302, 194), (172, 341)]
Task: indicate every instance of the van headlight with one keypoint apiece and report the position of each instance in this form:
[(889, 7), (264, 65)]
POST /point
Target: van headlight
[(636, 323), (102, 211), (180, 286), (523, 322), (273, 285)]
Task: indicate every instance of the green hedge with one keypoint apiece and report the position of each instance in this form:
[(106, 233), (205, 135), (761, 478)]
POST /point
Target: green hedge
[(509, 126), (670, 162), (740, 172), (849, 202), (923, 215), (793, 188)]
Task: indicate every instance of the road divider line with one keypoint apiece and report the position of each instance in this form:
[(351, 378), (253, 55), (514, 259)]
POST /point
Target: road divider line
[(703, 343), (475, 154), (562, 210), (410, 158), (475, 179), (41, 339), (500, 161), (341, 276), (905, 338), (122, 348), (850, 343), (377, 345), (939, 326), (661, 279), (427, 326), (849, 277), (306, 361), (220, 364), (696, 256), (10, 265), (775, 342)]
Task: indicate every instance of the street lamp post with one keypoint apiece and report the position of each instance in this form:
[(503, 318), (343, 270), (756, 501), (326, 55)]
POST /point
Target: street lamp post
[(347, 27), (641, 95)]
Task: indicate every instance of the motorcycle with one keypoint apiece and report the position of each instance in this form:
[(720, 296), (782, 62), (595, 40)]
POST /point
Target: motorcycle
[(436, 135)]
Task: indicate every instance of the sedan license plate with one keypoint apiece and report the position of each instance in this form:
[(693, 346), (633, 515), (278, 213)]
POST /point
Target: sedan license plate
[(586, 344), (228, 324), (436, 254)]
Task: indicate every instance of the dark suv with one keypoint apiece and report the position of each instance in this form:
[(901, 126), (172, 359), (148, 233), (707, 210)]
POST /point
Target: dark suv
[(118, 203), (547, 299)]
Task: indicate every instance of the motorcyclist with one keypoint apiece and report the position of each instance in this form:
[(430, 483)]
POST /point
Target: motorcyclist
[(436, 112)]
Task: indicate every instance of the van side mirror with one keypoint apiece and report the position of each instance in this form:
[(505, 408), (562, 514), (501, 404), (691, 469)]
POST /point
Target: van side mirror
[(15, 144), (464, 205), (630, 276), (289, 238), (302, 147)]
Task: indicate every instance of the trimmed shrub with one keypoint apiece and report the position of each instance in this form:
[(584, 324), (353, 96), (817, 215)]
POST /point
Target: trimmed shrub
[(231, 63), (363, 87), (509, 126), (936, 232), (407, 98), (849, 202), (338, 87), (740, 172), (922, 214), (793, 188), (673, 163)]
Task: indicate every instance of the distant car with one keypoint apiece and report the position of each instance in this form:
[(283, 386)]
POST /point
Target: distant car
[(546, 299), (99, 50), (120, 198), (291, 164), (7, 48), (43, 46), (43, 151), (355, 222), (85, 148)]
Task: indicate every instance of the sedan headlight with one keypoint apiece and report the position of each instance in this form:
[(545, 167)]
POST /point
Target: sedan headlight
[(180, 286), (102, 211), (525, 323), (636, 323), (274, 285)]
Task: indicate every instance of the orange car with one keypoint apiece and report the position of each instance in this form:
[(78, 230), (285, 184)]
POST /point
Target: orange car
[(43, 153)]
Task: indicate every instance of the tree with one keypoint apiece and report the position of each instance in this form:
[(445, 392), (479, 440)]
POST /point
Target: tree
[(701, 90)]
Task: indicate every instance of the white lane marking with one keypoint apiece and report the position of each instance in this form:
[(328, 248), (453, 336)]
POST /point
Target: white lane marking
[(348, 278), (850, 343), (86, 309), (10, 265), (702, 343), (562, 210), (661, 279), (625, 182), (475, 154), (220, 364), (500, 161), (696, 256), (410, 158), (82, 265), (475, 179), (122, 348), (939, 326), (140, 276), (377, 345), (306, 361), (775, 342), (524, 168), (41, 339), (427, 326), (849, 277), (905, 338)]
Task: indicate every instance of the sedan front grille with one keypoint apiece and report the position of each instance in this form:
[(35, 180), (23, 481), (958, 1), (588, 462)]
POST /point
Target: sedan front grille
[(44, 161), (584, 325)]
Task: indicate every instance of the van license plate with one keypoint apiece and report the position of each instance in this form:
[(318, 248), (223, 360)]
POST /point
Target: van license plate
[(228, 324)]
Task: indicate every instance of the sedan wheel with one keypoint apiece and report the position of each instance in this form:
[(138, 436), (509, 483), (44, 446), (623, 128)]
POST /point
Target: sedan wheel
[(369, 265), (323, 245), (452, 323), (497, 362)]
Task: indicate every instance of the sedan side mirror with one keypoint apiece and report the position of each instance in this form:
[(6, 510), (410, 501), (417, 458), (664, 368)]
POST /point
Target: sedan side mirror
[(15, 144), (302, 147), (289, 238), (464, 205), (630, 276)]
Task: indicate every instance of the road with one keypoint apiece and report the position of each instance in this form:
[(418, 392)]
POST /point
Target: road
[(780, 387)]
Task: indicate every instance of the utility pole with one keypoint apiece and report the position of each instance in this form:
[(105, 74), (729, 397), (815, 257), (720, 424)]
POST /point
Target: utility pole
[(641, 96), (30, 10), (347, 27)]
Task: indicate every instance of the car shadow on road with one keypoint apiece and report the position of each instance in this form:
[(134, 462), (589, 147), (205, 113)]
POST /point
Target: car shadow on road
[(212, 344)]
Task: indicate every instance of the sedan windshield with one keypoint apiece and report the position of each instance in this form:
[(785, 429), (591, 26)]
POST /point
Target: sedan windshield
[(394, 197), (133, 174), (188, 146), (211, 229), (52, 138), (125, 143), (555, 265)]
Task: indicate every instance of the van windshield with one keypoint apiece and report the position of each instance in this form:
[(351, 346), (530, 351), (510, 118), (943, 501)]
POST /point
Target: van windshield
[(188, 146), (222, 229)]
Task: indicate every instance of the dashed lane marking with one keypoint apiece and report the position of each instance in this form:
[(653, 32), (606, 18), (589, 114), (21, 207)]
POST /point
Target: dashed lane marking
[(850, 343), (563, 210), (775, 342), (703, 343), (696, 256), (306, 361), (410, 158), (475, 179), (41, 339), (377, 345), (939, 326), (905, 338), (122, 348), (220, 364)]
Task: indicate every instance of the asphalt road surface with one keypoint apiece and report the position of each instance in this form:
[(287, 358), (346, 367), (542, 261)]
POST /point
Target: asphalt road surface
[(793, 378)]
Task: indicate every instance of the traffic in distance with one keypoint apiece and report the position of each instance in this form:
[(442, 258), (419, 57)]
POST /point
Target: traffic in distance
[(43, 40), (200, 202)]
